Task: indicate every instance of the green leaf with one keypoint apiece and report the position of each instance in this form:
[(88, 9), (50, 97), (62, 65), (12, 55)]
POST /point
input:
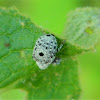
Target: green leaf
[(83, 27), (17, 68)]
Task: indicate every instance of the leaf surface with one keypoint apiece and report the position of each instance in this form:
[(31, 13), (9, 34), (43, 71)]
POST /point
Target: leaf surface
[(83, 27)]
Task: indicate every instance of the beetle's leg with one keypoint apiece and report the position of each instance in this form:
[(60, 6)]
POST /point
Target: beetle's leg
[(56, 61), (61, 45)]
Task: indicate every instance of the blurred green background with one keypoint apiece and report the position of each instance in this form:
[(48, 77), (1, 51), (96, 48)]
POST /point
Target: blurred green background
[(52, 15)]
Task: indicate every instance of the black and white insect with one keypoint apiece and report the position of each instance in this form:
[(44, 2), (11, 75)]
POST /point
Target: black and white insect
[(45, 49)]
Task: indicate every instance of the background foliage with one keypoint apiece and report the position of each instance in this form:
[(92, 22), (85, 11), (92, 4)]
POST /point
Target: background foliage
[(52, 15)]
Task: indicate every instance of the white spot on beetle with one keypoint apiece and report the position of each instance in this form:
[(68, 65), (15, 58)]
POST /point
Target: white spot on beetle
[(45, 50)]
